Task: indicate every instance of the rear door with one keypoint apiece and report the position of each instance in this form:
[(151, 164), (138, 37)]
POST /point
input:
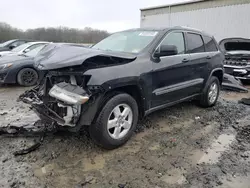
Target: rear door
[(199, 59), (171, 74), (213, 53)]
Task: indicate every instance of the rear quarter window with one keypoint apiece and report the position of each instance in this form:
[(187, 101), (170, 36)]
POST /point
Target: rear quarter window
[(210, 44), (195, 43)]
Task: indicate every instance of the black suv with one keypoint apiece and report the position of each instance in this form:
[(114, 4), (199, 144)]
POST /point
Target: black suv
[(125, 76)]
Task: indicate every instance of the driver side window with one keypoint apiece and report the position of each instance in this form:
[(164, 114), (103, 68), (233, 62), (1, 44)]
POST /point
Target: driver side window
[(175, 39), (17, 43)]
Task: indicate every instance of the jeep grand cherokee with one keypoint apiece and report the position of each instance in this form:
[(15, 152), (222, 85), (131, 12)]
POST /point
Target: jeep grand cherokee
[(125, 76)]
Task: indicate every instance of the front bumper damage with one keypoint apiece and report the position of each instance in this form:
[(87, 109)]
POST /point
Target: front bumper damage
[(239, 72), (59, 102), (233, 84)]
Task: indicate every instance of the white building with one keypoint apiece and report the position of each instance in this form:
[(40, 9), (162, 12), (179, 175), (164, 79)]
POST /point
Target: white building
[(221, 18)]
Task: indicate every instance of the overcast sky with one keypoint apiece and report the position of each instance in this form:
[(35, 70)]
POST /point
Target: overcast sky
[(110, 15)]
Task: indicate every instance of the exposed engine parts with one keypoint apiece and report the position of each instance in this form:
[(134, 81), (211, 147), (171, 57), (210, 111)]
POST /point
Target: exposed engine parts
[(237, 57), (62, 101)]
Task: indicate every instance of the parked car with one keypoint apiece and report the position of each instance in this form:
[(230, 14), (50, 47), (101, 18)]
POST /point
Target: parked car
[(125, 76), (11, 44), (22, 49), (237, 57), (19, 68)]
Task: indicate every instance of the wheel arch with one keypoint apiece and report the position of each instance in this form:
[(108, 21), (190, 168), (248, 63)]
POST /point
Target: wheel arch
[(91, 112), (24, 67), (218, 73), (133, 90)]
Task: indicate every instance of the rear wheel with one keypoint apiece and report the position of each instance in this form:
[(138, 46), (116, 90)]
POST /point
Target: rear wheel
[(27, 77), (211, 92), (116, 122)]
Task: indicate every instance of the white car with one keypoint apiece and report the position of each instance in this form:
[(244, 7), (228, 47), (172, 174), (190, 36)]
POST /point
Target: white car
[(22, 49)]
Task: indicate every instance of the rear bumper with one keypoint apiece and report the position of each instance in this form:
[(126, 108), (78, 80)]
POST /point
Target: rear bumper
[(239, 72)]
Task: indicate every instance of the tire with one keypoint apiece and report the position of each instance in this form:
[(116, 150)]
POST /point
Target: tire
[(109, 138), (208, 99), (27, 77)]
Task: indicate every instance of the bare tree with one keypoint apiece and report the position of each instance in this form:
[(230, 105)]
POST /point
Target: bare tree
[(59, 34)]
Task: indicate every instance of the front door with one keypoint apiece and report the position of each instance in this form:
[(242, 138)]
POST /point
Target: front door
[(172, 75)]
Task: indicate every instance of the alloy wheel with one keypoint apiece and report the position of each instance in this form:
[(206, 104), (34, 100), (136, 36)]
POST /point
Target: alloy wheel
[(120, 121), (213, 92), (28, 77)]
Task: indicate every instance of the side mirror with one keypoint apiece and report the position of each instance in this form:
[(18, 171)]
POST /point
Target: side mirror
[(166, 50), (26, 50), (12, 46)]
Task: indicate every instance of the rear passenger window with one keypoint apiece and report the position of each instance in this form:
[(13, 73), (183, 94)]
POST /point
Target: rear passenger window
[(210, 44), (195, 43)]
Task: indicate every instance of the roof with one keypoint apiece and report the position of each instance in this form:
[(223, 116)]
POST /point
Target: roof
[(37, 42), (173, 4), (187, 28), (184, 28), (146, 29), (27, 40)]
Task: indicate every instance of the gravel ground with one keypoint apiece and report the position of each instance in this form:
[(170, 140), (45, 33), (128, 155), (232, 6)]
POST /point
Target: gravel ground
[(182, 146)]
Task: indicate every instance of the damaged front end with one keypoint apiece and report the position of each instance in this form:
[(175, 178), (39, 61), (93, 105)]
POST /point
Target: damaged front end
[(237, 57), (65, 96), (233, 84), (59, 98)]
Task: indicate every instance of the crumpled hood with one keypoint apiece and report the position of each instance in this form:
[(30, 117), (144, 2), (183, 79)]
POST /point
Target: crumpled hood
[(55, 56)]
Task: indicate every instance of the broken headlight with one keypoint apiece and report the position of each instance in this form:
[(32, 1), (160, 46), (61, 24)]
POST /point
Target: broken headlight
[(67, 96)]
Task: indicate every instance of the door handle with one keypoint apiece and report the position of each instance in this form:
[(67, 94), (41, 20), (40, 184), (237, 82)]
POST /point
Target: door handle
[(185, 60), (208, 57)]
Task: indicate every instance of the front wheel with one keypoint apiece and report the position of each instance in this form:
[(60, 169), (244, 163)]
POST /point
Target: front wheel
[(27, 77), (210, 93), (116, 121)]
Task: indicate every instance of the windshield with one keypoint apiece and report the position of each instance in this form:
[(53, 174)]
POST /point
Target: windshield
[(127, 41), (35, 51), (6, 43), (21, 47)]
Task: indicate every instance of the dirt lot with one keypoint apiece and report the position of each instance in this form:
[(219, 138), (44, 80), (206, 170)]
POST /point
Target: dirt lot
[(182, 146)]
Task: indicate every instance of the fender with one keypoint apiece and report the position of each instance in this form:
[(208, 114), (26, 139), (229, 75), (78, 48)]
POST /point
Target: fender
[(131, 85), (90, 111), (214, 70), (210, 75), (121, 82)]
